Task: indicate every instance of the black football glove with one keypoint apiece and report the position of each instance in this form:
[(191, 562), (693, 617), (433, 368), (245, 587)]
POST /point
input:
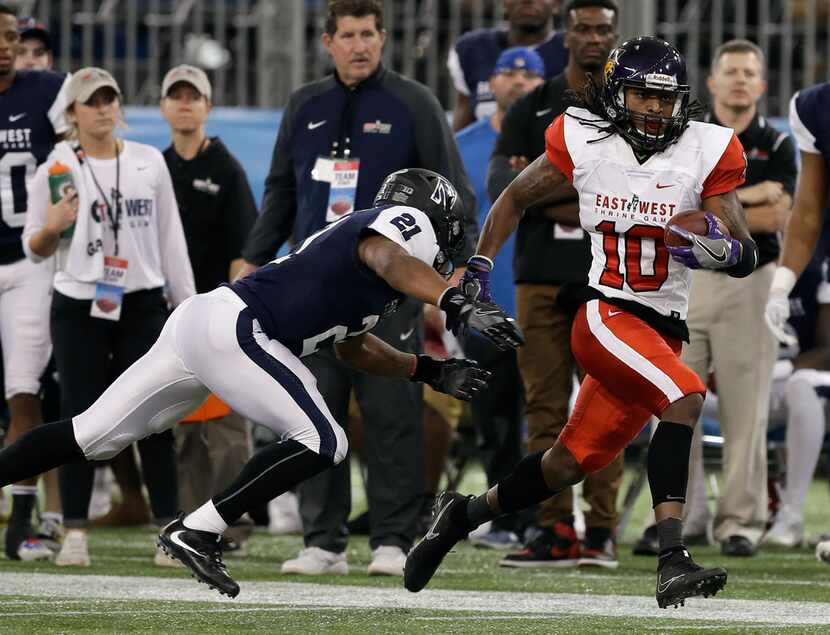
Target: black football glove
[(461, 378), (488, 319)]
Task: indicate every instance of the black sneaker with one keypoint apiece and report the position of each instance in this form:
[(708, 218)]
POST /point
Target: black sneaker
[(679, 577), (737, 546), (648, 544), (199, 551), (445, 531)]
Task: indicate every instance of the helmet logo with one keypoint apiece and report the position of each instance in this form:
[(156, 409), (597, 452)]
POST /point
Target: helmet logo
[(610, 65), (661, 81), (444, 194)]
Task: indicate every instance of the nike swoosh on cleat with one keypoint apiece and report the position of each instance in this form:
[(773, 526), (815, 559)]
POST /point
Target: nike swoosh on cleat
[(174, 537), (662, 587), (431, 534)]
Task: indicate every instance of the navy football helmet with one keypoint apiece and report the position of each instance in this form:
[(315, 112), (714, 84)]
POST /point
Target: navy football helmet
[(650, 64), (434, 195)]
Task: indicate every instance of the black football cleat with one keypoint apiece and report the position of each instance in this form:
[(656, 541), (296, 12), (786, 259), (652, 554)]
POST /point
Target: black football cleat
[(679, 577), (443, 533), (199, 551)]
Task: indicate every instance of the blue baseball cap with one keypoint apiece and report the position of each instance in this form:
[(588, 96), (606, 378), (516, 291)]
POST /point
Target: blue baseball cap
[(520, 58)]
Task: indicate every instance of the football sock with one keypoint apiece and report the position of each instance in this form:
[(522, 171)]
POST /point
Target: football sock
[(525, 486), (275, 469), (805, 432), (670, 535), (206, 518), (23, 502), (158, 467), (479, 512), (38, 451), (668, 462)]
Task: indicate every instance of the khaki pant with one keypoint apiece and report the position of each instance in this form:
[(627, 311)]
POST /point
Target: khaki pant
[(210, 457), (547, 367), (728, 334)]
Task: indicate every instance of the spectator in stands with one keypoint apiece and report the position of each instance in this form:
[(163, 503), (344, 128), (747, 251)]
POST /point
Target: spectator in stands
[(551, 251), (32, 121), (498, 412), (35, 52), (472, 58), (339, 137), (119, 241), (735, 344), (218, 211)]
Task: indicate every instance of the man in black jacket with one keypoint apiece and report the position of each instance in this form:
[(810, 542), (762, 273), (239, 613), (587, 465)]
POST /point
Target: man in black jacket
[(551, 251), (338, 139)]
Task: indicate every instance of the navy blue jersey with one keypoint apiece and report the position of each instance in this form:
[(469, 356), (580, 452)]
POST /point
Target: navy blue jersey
[(810, 119), (473, 58), (31, 116), (322, 293)]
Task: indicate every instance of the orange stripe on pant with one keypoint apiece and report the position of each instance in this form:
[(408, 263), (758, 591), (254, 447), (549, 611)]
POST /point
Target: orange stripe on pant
[(213, 408), (632, 372)]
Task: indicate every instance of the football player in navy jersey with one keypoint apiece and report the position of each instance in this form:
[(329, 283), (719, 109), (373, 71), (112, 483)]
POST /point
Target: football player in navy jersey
[(31, 118), (810, 123), (244, 341)]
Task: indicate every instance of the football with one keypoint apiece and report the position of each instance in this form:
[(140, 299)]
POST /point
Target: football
[(693, 221)]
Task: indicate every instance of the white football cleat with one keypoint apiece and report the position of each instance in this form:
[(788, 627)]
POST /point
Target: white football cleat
[(316, 561), (823, 551), (284, 515), (786, 531), (33, 549), (387, 560), (74, 551)]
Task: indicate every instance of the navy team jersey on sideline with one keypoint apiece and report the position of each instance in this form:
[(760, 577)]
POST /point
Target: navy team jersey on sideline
[(810, 119), (473, 58), (322, 293), (811, 290), (31, 116)]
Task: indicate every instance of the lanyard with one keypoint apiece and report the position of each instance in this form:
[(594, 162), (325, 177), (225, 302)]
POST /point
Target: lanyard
[(115, 218)]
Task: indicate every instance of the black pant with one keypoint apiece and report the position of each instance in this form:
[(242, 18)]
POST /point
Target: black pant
[(89, 354), (392, 411)]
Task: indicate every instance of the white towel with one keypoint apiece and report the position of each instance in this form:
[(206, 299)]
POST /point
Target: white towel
[(77, 260)]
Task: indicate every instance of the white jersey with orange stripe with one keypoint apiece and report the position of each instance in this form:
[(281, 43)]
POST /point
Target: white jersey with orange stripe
[(624, 205)]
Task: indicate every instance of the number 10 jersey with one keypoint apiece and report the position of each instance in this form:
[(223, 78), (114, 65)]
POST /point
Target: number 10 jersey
[(624, 205)]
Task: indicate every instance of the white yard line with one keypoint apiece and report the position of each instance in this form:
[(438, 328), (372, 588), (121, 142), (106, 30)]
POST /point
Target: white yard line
[(301, 595)]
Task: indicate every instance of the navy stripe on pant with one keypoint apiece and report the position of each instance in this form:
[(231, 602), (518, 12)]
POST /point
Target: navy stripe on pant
[(287, 379)]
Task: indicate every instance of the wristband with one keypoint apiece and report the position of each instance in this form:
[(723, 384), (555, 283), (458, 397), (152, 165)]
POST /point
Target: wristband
[(747, 262), (427, 369), (480, 263), (783, 281)]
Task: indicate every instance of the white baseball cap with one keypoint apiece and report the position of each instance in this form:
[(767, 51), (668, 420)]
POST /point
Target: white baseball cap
[(86, 81), (192, 75)]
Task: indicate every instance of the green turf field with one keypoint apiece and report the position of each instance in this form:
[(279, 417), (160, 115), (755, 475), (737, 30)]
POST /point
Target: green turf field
[(778, 591)]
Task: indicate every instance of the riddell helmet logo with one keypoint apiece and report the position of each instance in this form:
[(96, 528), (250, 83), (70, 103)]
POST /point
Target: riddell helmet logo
[(444, 194)]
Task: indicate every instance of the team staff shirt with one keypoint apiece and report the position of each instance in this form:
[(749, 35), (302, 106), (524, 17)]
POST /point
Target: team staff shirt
[(387, 121), (624, 205), (770, 156), (472, 60), (31, 117), (546, 252), (322, 293), (150, 236), (217, 209)]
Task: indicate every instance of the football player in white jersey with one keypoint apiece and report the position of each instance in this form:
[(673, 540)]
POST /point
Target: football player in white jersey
[(636, 160)]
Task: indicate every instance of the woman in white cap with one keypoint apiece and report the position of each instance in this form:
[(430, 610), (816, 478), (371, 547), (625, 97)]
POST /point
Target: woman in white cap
[(121, 259)]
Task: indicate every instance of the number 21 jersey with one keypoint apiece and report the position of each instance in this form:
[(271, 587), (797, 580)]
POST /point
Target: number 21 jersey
[(31, 116), (624, 205)]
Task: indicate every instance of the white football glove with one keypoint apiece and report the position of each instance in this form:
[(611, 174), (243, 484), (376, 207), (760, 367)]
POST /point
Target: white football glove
[(776, 314)]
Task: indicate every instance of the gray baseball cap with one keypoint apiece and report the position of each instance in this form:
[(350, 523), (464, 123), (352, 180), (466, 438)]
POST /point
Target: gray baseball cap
[(86, 81), (192, 75)]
